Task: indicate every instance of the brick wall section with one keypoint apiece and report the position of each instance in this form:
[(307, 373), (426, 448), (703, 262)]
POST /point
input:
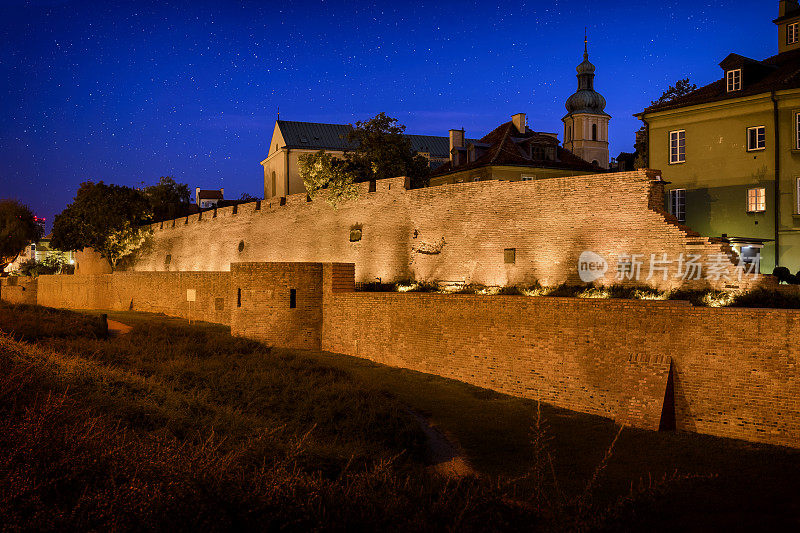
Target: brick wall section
[(265, 313), (735, 371), (18, 290), (153, 292), (446, 233)]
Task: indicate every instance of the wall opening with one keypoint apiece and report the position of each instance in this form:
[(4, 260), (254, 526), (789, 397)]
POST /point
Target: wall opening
[(373, 185), (235, 208), (667, 422), (510, 256), (258, 205), (292, 298), (215, 212), (594, 132), (238, 297), (241, 246)]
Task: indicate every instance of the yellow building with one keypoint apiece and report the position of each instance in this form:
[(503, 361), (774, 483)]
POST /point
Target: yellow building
[(731, 151), (292, 139)]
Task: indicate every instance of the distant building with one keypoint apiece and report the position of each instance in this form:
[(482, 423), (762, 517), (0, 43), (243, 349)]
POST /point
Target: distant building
[(205, 198), (586, 122), (511, 152), (731, 151), (291, 139), (39, 251)]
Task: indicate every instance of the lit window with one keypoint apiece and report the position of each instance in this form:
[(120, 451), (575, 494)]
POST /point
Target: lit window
[(791, 33), (527, 178), (756, 200), (756, 138), (677, 204), (734, 80), (677, 146)]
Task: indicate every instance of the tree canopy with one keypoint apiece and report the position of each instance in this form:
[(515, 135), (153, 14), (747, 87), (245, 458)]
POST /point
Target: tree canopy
[(18, 228), (168, 199), (107, 218), (681, 88), (380, 151)]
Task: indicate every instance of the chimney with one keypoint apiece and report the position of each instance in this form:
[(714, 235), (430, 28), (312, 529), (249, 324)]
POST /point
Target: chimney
[(456, 140), (787, 6), (197, 196), (519, 122)]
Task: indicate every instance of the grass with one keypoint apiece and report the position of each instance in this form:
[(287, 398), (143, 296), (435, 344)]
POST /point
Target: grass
[(184, 426)]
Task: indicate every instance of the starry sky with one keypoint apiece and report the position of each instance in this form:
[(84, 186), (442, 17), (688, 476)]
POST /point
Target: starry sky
[(127, 91)]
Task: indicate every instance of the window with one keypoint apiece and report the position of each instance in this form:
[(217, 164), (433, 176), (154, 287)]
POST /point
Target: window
[(569, 133), (510, 256), (677, 146), (238, 297), (797, 199), (274, 193), (756, 200), (734, 78), (594, 132), (476, 178), (791, 33), (292, 298), (797, 131), (677, 204), (527, 178), (756, 138)]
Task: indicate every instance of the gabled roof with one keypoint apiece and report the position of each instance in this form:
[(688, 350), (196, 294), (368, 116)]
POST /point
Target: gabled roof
[(319, 136), (504, 149), (776, 73), (210, 194)]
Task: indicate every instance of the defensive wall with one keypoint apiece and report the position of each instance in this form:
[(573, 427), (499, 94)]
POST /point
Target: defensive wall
[(487, 232), (653, 364)]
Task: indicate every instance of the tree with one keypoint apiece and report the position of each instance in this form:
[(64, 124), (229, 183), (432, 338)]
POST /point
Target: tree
[(18, 228), (324, 174), (382, 151), (53, 263), (107, 218), (642, 144), (168, 198)]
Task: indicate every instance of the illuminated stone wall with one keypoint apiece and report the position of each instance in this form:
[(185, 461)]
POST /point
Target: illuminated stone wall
[(446, 233)]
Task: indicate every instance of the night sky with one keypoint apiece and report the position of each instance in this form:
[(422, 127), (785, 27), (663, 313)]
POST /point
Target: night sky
[(127, 91)]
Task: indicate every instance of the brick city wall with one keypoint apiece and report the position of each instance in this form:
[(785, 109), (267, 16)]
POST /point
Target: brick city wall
[(734, 371), (152, 292), (447, 233), (266, 308), (18, 290), (731, 372)]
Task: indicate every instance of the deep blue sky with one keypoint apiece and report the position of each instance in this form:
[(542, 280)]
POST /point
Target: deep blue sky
[(127, 91)]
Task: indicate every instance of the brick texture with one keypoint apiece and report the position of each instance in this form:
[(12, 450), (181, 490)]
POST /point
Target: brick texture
[(18, 290), (447, 233)]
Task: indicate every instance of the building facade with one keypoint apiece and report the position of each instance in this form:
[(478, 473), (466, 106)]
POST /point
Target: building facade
[(290, 140), (510, 152), (586, 122), (731, 151)]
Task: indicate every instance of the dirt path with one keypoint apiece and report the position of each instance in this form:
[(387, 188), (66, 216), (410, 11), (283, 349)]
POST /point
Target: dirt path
[(444, 456), (117, 328)]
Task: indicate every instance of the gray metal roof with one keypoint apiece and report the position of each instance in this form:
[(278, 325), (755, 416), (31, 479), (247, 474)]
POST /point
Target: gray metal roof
[(317, 136)]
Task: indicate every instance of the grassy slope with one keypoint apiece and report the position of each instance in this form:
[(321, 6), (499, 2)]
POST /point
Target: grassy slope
[(225, 384)]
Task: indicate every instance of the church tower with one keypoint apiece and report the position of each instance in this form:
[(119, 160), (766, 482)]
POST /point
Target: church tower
[(586, 124)]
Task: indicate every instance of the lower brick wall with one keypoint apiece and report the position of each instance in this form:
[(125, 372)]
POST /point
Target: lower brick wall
[(16, 290), (726, 372), (153, 292), (734, 371)]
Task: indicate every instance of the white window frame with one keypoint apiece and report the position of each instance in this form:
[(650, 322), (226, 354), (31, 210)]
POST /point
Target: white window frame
[(677, 204), (797, 131), (756, 200), (677, 147), (734, 80), (797, 196), (760, 138), (792, 35)]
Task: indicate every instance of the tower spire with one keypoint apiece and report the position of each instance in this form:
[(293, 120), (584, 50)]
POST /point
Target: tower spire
[(585, 43)]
